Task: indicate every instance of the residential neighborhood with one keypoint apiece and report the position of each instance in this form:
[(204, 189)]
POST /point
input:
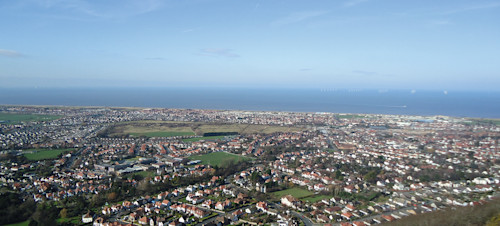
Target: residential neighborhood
[(135, 166)]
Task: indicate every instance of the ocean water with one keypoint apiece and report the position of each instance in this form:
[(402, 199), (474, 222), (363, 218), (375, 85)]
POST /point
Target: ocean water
[(402, 102)]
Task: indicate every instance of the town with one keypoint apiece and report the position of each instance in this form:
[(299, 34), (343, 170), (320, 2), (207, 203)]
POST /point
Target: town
[(137, 166)]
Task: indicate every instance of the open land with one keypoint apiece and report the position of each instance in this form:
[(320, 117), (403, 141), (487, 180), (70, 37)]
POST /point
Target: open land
[(485, 121), (295, 192), (17, 118), (219, 158), (42, 154), (194, 139), (316, 198), (170, 129)]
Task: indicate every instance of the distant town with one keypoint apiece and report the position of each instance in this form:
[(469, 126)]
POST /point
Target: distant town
[(153, 166)]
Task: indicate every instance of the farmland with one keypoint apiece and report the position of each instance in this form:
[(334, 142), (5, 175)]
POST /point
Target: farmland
[(17, 118), (42, 154), (169, 129), (219, 158)]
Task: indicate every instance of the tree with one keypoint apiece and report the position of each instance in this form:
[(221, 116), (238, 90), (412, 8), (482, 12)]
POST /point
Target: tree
[(371, 176), (494, 221), (338, 175), (112, 196), (45, 214), (255, 177), (12, 209), (97, 200), (63, 213)]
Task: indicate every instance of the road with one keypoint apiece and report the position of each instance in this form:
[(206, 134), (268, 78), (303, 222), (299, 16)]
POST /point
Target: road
[(304, 219)]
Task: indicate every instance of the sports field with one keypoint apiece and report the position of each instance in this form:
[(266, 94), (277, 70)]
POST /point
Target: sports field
[(295, 192), (219, 158), (42, 154), (17, 118), (316, 198)]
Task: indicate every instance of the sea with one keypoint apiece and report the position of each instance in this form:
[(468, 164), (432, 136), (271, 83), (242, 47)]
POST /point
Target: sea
[(479, 104)]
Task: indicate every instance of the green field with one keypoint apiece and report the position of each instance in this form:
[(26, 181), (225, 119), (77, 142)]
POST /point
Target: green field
[(295, 192), (17, 118), (219, 158), (243, 128), (42, 154), (143, 174), (316, 198), (194, 139), (168, 128), (24, 223), (77, 220), (162, 134), (484, 121), (349, 116)]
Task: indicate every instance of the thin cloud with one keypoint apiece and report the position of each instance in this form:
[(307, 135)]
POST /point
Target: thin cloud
[(351, 3), (305, 69), (297, 17), (218, 52), (373, 74), (257, 5), (440, 22), (10, 53), (101, 9), (472, 8), (365, 73), (188, 30), (154, 58)]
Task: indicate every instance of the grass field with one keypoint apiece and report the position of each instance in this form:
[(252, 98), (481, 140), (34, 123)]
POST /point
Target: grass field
[(219, 158), (485, 121), (166, 128), (24, 223), (295, 192), (349, 116), (162, 134), (16, 118), (243, 128), (77, 220), (143, 174), (42, 154), (316, 198), (194, 139)]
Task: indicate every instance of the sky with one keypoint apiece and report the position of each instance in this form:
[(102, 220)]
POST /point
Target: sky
[(379, 44)]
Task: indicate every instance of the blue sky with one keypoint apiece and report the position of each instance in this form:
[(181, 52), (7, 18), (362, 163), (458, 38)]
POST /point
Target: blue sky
[(379, 44)]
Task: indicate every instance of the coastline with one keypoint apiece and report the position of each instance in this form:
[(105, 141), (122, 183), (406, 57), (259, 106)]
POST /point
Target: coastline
[(464, 104)]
